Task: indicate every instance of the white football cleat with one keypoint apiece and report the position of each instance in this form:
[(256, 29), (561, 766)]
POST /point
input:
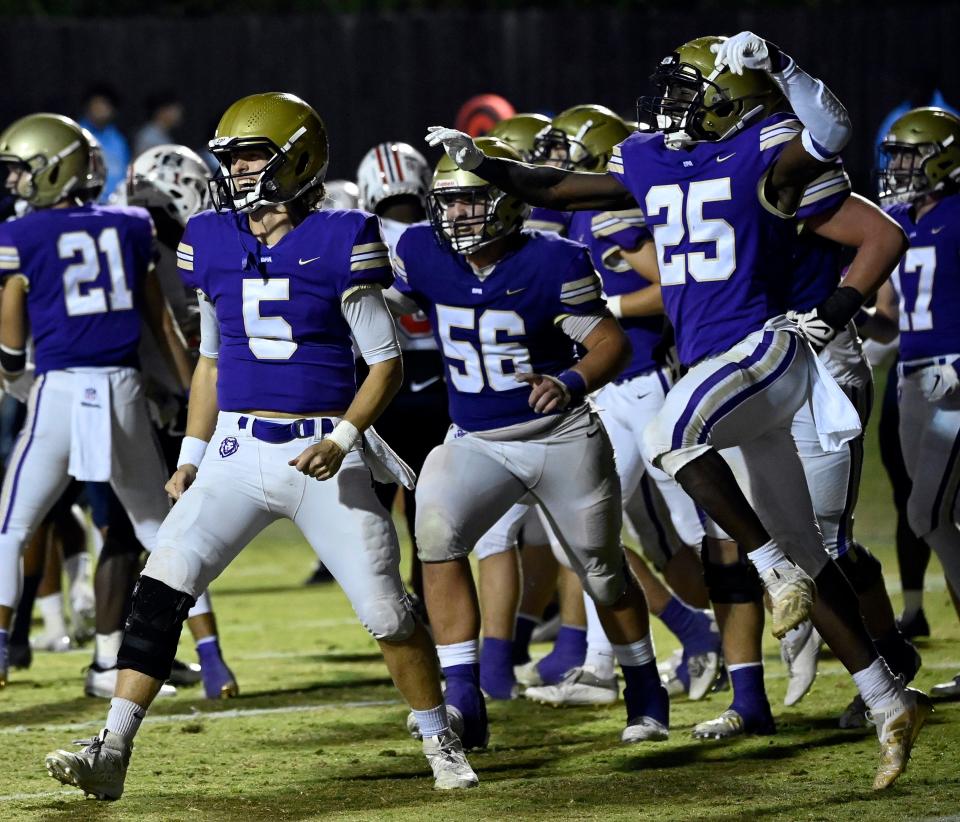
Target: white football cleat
[(528, 674), (800, 651), (898, 726), (644, 729), (102, 682), (792, 593), (668, 673), (947, 690), (704, 670), (99, 769), (580, 686), (727, 725), (451, 770)]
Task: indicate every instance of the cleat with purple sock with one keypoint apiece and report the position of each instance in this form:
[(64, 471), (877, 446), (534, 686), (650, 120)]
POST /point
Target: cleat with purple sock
[(496, 669), (218, 680), (569, 651), (463, 693)]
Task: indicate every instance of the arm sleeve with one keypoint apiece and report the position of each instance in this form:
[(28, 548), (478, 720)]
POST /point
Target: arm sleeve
[(366, 312), (826, 122), (579, 328), (209, 328), (399, 303)]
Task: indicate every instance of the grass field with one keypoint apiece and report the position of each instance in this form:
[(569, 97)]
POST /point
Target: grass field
[(318, 730)]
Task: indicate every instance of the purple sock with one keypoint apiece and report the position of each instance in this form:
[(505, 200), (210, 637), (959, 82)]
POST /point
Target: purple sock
[(496, 668), (208, 652), (569, 651), (644, 694), (521, 638), (690, 626), (4, 663), (463, 693), (750, 698)]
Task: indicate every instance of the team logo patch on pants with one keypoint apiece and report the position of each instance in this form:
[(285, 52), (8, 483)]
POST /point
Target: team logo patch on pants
[(229, 446)]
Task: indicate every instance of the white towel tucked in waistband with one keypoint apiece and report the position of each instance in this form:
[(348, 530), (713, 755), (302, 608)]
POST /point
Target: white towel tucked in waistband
[(384, 463), (90, 441), (834, 415)]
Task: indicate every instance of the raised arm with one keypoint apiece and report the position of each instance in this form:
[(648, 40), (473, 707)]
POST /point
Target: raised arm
[(537, 185)]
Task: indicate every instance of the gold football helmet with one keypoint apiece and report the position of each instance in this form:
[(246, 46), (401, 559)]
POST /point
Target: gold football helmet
[(581, 138), (467, 212), (520, 132), (290, 132), (919, 156)]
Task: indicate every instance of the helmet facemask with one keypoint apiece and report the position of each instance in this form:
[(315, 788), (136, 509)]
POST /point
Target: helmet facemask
[(249, 191), (467, 218), (20, 175), (901, 177), (687, 99), (554, 147)]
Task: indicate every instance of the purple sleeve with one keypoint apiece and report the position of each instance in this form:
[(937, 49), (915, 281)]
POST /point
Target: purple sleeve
[(825, 193), (581, 288), (402, 280), (188, 266), (623, 229), (546, 219), (369, 257)]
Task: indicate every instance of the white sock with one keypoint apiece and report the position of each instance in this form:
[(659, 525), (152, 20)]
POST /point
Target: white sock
[(51, 608), (877, 685), (912, 601), (433, 721), (460, 653), (124, 718), (767, 556), (741, 665), (201, 607), (599, 650), (636, 653), (107, 648)]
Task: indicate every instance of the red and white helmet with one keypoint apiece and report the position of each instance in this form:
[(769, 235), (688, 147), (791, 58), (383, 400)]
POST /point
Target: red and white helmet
[(171, 178), (389, 170)]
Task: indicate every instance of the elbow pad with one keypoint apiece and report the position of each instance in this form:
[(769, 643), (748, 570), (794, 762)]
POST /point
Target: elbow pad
[(13, 361)]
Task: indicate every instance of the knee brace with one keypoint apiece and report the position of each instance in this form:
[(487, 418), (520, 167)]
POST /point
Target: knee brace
[(730, 584), (388, 619), (437, 539), (153, 628), (861, 568)]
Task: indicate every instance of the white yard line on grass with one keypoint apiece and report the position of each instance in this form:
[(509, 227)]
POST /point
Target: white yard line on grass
[(22, 797)]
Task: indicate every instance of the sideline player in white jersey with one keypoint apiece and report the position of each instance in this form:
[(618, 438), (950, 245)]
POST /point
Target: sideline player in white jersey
[(78, 278), (919, 186), (277, 427), (719, 186), (507, 306), (393, 180)]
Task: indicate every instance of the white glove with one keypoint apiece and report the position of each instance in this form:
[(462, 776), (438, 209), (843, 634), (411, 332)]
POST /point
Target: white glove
[(459, 146), (818, 332), (938, 381), (742, 51)]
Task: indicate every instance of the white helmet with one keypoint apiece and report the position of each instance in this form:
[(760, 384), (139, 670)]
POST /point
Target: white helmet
[(339, 195), (171, 178), (391, 169), (96, 170)]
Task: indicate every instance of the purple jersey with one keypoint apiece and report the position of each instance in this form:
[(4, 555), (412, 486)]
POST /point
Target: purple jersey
[(927, 280), (720, 247), (284, 344), (606, 234), (817, 262), (85, 267), (509, 323)]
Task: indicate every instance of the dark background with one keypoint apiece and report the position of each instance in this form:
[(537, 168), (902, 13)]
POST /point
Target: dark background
[(387, 73)]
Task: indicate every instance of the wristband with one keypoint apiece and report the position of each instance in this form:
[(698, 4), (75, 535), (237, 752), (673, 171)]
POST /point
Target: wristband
[(575, 385), (613, 304), (192, 450), (345, 435), (840, 307)]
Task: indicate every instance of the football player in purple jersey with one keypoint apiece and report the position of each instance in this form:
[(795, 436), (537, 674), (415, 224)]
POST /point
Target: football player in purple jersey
[(79, 280), (277, 427), (719, 186), (507, 307), (919, 186)]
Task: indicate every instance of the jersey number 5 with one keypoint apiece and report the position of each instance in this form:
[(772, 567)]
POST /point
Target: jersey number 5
[(703, 267), (270, 338), (81, 244), (467, 365)]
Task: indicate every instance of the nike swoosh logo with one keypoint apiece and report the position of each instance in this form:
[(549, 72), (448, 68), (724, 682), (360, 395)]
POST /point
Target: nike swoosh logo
[(597, 431), (416, 387), (512, 291), (311, 260), (937, 230), (724, 159)]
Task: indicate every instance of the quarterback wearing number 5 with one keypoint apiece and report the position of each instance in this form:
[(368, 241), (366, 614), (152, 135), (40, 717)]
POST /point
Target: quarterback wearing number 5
[(276, 425), (719, 186)]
